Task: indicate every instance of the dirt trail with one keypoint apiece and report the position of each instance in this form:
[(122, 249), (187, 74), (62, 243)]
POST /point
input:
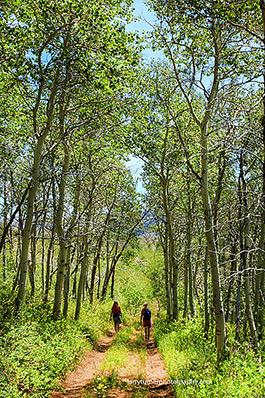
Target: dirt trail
[(86, 370), (151, 375)]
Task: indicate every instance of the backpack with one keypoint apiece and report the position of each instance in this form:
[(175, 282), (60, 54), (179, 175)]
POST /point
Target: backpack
[(147, 314)]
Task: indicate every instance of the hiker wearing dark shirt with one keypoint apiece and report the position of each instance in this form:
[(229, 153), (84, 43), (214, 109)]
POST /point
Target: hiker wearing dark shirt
[(116, 315), (146, 317)]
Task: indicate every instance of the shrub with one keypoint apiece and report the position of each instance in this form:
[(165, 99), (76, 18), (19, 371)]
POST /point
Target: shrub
[(36, 351), (193, 368)]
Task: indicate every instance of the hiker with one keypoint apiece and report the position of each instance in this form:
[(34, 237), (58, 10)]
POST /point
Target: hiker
[(147, 324), (116, 313)]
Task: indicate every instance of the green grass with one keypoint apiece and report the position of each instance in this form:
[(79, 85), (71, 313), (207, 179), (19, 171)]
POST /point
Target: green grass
[(36, 351), (115, 358), (193, 368), (126, 340)]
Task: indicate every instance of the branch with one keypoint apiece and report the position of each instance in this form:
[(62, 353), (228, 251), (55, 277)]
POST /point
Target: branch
[(5, 231)]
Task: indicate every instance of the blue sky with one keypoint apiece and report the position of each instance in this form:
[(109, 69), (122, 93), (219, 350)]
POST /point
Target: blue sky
[(145, 18), (141, 12)]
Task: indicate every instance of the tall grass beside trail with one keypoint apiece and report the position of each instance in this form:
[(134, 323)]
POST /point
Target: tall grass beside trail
[(36, 351), (193, 368)]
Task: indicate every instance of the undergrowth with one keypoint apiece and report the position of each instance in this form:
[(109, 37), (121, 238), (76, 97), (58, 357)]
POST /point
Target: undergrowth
[(36, 351), (193, 368)]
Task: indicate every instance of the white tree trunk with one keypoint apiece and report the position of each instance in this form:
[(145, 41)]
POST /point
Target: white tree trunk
[(213, 258)]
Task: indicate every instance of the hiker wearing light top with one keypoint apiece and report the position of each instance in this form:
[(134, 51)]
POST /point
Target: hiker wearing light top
[(116, 314), (147, 324)]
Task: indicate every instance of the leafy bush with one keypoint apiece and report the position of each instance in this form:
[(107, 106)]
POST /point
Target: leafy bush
[(37, 351), (193, 368)]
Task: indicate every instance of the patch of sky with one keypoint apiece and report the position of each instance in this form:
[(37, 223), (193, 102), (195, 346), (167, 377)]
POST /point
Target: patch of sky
[(143, 23), (145, 20), (135, 165)]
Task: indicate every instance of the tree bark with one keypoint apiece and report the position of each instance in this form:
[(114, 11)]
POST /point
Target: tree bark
[(173, 265), (231, 276), (213, 258), (188, 252), (206, 294), (32, 263), (84, 262), (50, 249), (63, 243), (245, 260), (5, 227), (66, 290)]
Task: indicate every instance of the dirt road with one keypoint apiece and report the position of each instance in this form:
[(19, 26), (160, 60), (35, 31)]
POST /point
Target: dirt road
[(145, 374)]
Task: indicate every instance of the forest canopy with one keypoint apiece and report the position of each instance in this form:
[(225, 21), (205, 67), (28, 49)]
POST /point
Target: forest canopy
[(77, 100)]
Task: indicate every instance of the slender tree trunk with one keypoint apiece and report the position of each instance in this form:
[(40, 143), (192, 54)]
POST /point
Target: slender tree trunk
[(172, 248), (63, 243), (239, 275), (74, 288), (163, 238), (20, 228), (245, 258), (84, 263), (43, 246), (18, 254), (5, 224), (186, 286), (238, 304), (232, 277), (206, 294), (51, 246), (213, 258), (82, 277), (94, 271), (67, 283), (188, 253), (110, 276), (113, 282), (32, 264), (48, 265), (99, 279), (107, 264), (167, 277)]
